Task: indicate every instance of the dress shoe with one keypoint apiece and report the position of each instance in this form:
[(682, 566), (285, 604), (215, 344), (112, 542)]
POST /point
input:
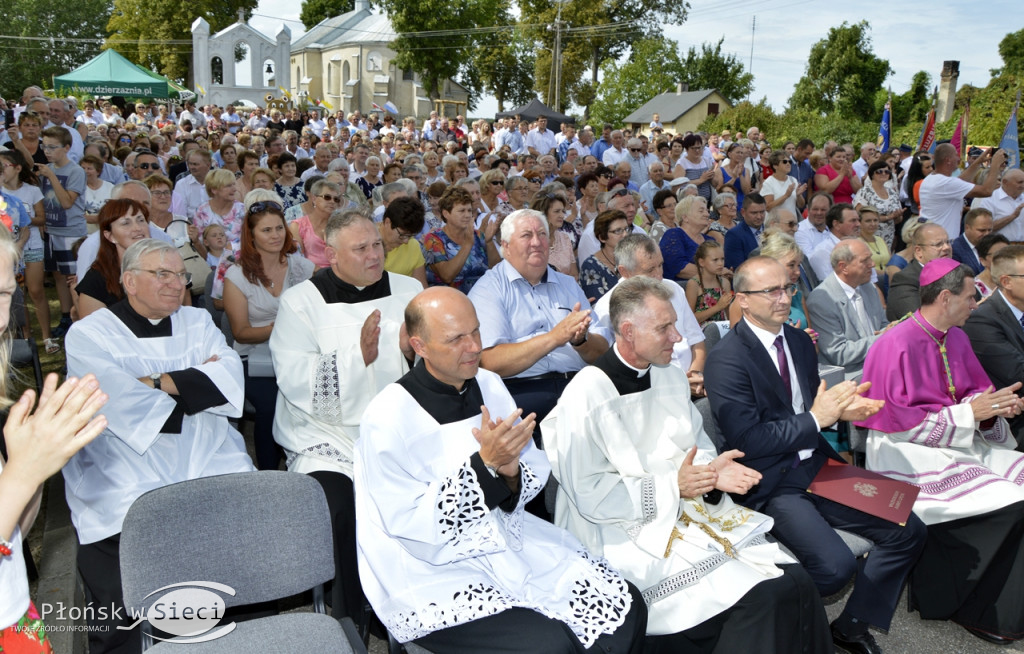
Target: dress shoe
[(861, 644), (984, 635)]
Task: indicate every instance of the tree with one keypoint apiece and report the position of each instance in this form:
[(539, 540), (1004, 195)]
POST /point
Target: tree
[(158, 36), (436, 38), (504, 62), (1011, 49), (314, 11), (843, 74), (653, 68), (913, 105), (593, 32), (709, 69), (26, 62)]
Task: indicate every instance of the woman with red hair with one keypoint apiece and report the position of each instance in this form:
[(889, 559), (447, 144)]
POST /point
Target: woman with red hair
[(268, 264), (122, 223)]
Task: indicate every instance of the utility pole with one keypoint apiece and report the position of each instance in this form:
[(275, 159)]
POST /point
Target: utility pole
[(558, 58), (753, 27)]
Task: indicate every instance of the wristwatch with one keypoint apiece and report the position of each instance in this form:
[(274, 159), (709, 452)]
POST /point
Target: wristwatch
[(156, 379), (492, 470)]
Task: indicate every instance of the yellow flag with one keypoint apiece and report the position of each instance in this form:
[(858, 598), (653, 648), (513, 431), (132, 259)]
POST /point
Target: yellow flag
[(327, 104), (201, 89)]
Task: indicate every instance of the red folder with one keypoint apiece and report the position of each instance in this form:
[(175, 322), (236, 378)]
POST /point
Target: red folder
[(865, 491)]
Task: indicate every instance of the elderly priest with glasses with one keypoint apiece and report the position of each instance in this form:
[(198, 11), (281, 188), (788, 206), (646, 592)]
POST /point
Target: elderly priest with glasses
[(173, 384)]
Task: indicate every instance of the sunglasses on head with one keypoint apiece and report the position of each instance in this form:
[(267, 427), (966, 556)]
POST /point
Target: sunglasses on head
[(260, 207)]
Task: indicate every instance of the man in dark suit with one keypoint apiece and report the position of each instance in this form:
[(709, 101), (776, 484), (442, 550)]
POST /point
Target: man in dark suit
[(762, 381), (996, 329), (742, 239), (930, 242), (977, 224)]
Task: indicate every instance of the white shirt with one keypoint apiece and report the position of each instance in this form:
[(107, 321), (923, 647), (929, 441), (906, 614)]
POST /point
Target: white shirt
[(942, 201), (768, 341), (1002, 205), (808, 237), (317, 126), (613, 156), (543, 143), (861, 167), (188, 196), (686, 323)]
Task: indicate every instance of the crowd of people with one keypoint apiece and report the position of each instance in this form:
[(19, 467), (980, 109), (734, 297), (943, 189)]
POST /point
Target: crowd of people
[(439, 320)]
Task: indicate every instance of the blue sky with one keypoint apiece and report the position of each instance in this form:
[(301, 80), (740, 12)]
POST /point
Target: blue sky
[(912, 34)]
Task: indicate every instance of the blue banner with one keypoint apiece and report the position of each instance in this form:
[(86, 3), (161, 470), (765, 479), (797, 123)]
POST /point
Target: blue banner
[(884, 130), (1011, 140)]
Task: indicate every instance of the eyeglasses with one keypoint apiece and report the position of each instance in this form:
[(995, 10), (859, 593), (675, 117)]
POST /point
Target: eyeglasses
[(404, 237), (774, 294), (160, 194), (940, 244), (51, 148), (617, 192), (618, 232), (148, 166), (883, 171), (330, 198), (168, 276), (260, 207), (497, 183), (634, 149)]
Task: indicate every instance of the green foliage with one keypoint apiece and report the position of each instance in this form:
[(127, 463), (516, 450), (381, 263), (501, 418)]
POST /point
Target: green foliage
[(504, 62), (1011, 49), (26, 63), (912, 106), (437, 58), (653, 68), (842, 74), (744, 115), (613, 28), (314, 11), (709, 69), (137, 26)]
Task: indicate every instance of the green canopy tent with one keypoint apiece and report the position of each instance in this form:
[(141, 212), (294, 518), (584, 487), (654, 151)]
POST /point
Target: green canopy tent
[(109, 74)]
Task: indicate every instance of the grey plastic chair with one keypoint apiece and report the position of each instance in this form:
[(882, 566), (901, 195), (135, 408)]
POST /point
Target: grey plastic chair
[(859, 545), (265, 534)]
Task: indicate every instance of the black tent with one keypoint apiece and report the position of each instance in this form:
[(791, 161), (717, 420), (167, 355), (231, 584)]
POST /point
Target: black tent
[(535, 108)]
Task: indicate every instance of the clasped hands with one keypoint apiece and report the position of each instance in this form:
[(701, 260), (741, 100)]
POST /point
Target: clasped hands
[(502, 441), (1002, 403), (844, 401), (573, 328), (723, 473)]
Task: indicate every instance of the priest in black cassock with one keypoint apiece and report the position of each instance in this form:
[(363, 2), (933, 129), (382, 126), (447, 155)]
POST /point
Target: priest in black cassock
[(642, 485), (448, 556)]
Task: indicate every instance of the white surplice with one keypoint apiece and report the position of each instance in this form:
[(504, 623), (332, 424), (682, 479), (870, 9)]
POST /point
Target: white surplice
[(961, 469), (617, 460), (323, 385), (432, 555), (131, 456)]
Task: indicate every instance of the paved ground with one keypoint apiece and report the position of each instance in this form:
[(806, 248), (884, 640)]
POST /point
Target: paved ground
[(53, 544)]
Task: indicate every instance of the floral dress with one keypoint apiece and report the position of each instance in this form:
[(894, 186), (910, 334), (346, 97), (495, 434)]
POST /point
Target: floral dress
[(232, 222), (709, 298), (596, 278), (27, 635), (291, 195), (438, 246), (869, 198)]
